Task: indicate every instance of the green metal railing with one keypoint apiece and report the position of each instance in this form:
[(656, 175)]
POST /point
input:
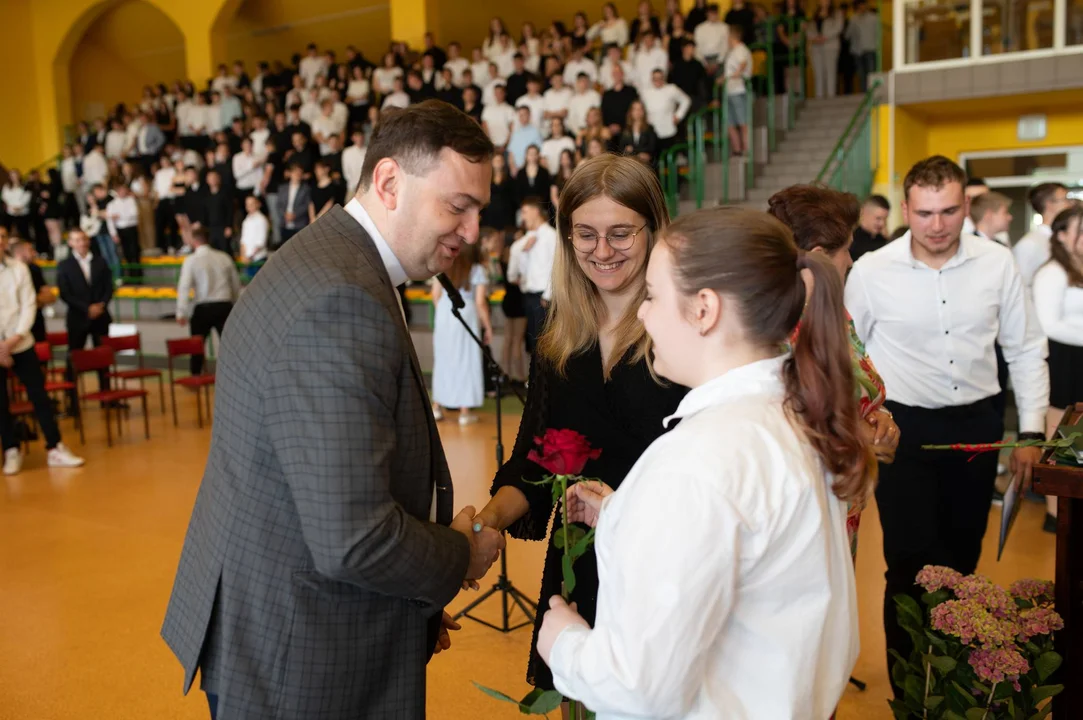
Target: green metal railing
[(671, 176), (852, 164)]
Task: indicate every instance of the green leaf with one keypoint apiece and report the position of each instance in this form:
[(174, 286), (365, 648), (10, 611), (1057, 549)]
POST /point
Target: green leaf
[(952, 715), (1032, 648), (935, 598), (936, 641), (1004, 691), (977, 713), (1047, 664), (899, 709), (496, 694), (968, 698), (914, 688), (942, 663), (580, 547), (1041, 693), (541, 702), (932, 701), (909, 613), (575, 534), (569, 574)]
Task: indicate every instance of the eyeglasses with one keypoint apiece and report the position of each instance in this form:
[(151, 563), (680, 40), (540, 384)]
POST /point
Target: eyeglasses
[(620, 239)]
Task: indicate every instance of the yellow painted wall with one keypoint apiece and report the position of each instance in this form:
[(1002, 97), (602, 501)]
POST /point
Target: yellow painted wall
[(276, 29), (131, 45), (20, 141), (987, 131)]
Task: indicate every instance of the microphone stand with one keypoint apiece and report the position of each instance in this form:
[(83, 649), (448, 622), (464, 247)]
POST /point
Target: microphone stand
[(503, 585)]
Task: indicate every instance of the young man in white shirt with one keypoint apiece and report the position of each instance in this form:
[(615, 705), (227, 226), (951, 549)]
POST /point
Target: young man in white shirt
[(488, 94), (579, 65), (535, 102), (398, 97), (498, 119), (1032, 250), (17, 354), (989, 213), (613, 60), (649, 58), (975, 188), (712, 40), (558, 99), (536, 252), (311, 66), (213, 277), (930, 308), (585, 98), (480, 68), (555, 145), (738, 69), (456, 63), (325, 126), (666, 106), (254, 231), (353, 159), (163, 194), (122, 218)]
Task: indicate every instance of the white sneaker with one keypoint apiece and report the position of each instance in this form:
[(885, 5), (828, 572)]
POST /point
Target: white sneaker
[(62, 457), (13, 461), (470, 419), (437, 413)]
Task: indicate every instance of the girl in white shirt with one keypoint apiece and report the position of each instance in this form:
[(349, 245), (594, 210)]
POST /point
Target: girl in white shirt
[(383, 78), (1058, 302), (16, 200), (612, 29), (727, 588)]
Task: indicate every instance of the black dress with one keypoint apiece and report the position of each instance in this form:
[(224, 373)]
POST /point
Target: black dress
[(622, 417), (512, 304), (500, 213), (538, 187)]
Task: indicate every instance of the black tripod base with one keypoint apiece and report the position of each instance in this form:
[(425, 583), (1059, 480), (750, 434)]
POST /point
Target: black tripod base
[(857, 683), (504, 587)]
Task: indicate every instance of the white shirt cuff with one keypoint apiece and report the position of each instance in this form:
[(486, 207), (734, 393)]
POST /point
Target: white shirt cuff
[(562, 656), (1032, 421)]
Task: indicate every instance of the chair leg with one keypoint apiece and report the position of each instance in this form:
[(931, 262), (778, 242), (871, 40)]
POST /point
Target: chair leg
[(146, 419), (199, 407), (108, 427), (120, 428), (173, 398), (79, 420), (161, 393)]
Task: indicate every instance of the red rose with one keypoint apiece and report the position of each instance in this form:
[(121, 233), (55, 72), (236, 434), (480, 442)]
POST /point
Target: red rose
[(563, 452)]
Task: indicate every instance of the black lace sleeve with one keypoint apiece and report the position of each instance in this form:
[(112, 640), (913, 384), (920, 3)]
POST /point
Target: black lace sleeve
[(534, 525)]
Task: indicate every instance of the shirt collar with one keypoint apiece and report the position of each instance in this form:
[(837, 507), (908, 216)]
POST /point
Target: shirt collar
[(763, 377), (202, 249), (87, 259), (964, 252), (391, 263)]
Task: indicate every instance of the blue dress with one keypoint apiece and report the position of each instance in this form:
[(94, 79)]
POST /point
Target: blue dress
[(457, 374)]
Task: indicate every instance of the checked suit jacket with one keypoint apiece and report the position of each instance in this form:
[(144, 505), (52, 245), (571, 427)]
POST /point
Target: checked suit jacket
[(312, 582)]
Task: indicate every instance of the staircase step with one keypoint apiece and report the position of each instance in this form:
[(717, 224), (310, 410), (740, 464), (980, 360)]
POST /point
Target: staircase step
[(783, 169)]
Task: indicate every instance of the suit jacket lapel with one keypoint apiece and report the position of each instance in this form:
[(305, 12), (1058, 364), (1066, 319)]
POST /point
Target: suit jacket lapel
[(389, 298)]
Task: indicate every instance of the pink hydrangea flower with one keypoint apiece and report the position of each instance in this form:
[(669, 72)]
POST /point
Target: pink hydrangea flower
[(996, 665), (993, 597), (1037, 591), (935, 577), (969, 620), (1038, 621)]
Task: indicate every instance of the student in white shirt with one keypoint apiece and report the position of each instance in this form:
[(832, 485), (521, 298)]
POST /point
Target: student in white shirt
[(1058, 303), (115, 141), (166, 232), (579, 65), (312, 66), (712, 40), (498, 118), (930, 308), (534, 100), (585, 98), (488, 94), (612, 29), (990, 217), (613, 60), (383, 78), (666, 106), (254, 231), (247, 169), (397, 98), (353, 159), (536, 254), (558, 99), (1032, 250), (756, 572), (325, 126), (975, 188), (17, 355), (456, 63), (738, 68), (648, 58), (480, 68), (16, 200), (557, 142)]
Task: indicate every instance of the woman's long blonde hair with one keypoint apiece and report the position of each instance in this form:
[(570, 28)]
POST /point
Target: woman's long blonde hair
[(576, 312)]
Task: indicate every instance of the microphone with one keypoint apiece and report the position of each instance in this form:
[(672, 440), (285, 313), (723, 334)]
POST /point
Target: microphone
[(452, 292)]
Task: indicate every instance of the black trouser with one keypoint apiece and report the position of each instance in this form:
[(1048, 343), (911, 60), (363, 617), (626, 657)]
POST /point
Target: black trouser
[(165, 225), (129, 245), (934, 504), (535, 318), (219, 241), (1000, 400), (206, 317), (77, 338), (28, 369)]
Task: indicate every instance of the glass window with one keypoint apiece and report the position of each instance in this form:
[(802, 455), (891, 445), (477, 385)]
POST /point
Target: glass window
[(1073, 31), (936, 30), (1016, 25)]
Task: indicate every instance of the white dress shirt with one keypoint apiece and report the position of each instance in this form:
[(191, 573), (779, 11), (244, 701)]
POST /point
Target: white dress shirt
[(396, 100), (613, 34), (480, 71), (259, 141), (646, 62), (123, 213), (84, 263), (557, 100), (712, 41), (579, 107), (662, 104), (1058, 305), (16, 200), (575, 68), (95, 169), (18, 303), (1032, 251), (213, 276), (115, 142), (457, 66), (310, 68), (498, 120), (163, 181), (247, 171), (533, 268), (553, 148), (605, 74), (69, 179), (931, 333), (254, 231), (760, 620), (536, 103)]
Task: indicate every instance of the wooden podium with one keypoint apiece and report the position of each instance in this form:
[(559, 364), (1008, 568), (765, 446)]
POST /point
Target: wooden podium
[(1065, 482)]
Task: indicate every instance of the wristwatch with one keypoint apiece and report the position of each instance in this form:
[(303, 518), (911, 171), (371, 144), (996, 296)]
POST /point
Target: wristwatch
[(1025, 436)]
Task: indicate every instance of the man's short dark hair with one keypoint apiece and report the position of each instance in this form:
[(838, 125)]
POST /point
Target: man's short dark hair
[(518, 56), (414, 137), (199, 234), (935, 172), (879, 201), (1040, 195), (535, 202)]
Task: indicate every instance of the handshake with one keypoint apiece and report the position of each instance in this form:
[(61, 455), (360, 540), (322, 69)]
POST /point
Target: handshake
[(485, 544)]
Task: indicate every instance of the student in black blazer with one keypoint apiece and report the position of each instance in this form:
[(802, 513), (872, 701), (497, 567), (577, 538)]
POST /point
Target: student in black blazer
[(87, 299)]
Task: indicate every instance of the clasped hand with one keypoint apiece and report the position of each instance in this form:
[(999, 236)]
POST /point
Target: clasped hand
[(485, 544)]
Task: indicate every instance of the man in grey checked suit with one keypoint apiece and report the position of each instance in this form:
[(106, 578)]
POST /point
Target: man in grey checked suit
[(322, 550)]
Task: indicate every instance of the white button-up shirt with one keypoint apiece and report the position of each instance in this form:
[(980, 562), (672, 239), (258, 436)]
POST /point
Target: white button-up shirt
[(213, 276), (1032, 251), (712, 40), (662, 104), (353, 161), (575, 68), (931, 333), (1058, 305), (123, 213), (18, 303), (760, 620), (580, 107), (254, 231), (533, 269), (84, 263)]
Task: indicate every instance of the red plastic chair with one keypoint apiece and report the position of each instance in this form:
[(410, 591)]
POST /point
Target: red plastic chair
[(188, 347), (134, 342), (44, 352), (98, 359), (24, 408), (56, 340)]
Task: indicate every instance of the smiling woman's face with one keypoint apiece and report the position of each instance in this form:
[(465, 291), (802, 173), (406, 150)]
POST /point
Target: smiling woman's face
[(611, 270)]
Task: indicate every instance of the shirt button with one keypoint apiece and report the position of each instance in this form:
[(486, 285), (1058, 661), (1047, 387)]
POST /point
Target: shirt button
[(945, 332)]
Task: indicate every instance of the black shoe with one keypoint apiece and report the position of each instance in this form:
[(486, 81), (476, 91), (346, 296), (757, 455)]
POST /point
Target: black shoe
[(1050, 524)]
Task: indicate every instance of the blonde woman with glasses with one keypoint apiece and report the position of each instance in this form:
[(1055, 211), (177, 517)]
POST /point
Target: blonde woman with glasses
[(590, 370)]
